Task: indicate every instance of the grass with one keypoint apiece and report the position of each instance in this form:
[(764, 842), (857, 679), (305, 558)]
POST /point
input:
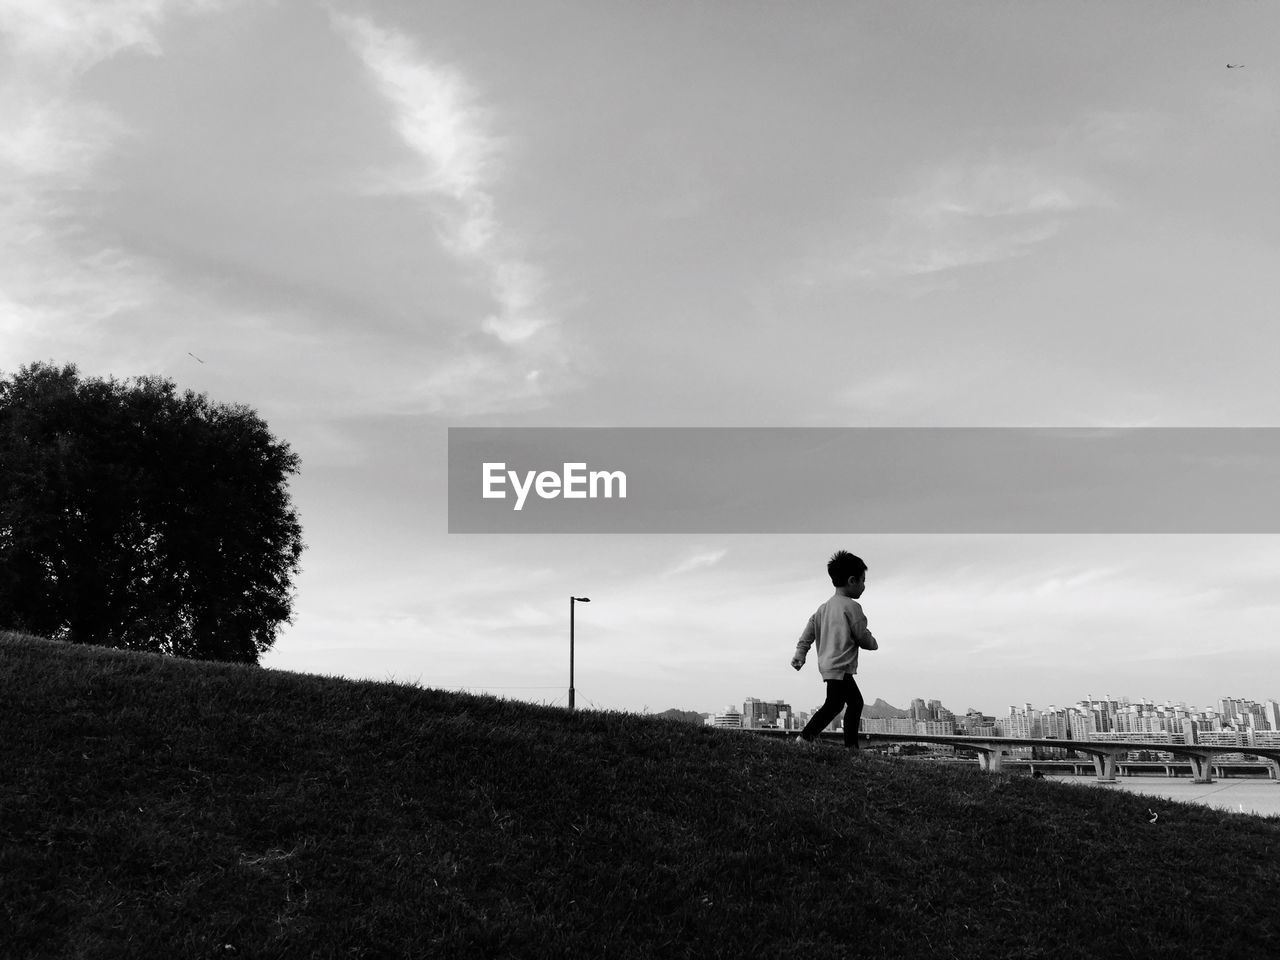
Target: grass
[(157, 808)]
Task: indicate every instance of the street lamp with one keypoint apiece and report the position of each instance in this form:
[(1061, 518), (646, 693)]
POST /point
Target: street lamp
[(571, 602)]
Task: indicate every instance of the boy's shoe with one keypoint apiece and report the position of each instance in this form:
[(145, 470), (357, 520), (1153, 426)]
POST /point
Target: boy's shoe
[(802, 743)]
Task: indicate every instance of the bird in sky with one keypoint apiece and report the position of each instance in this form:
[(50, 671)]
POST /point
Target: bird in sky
[(1234, 66), (194, 357)]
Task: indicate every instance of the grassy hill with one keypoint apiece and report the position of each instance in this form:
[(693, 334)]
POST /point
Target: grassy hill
[(158, 808)]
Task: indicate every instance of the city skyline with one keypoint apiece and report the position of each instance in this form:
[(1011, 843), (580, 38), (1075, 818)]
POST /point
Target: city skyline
[(375, 220), (1268, 709)]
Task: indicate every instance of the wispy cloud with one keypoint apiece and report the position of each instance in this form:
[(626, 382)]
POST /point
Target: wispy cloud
[(973, 213), (696, 561), (898, 392), (47, 137), (1115, 136), (477, 381), (962, 214), (440, 117), (56, 283), (67, 37)]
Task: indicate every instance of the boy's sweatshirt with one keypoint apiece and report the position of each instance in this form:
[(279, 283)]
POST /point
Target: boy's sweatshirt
[(839, 627)]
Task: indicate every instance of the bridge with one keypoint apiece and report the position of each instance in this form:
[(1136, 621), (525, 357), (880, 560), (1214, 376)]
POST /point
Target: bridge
[(1106, 754)]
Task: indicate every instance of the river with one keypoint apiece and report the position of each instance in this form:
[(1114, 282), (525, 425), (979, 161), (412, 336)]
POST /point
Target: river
[(1250, 795)]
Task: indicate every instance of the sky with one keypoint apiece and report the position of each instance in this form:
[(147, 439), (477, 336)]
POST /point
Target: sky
[(374, 221)]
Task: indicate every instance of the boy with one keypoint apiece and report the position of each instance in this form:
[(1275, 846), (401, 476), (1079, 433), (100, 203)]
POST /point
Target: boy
[(839, 627)]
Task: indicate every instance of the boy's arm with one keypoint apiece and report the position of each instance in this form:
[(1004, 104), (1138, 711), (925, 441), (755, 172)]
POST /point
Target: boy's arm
[(862, 635), (806, 641)]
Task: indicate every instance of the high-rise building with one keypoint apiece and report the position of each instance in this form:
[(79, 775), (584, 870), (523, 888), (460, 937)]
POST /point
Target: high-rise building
[(730, 718), (758, 714), (977, 724), (889, 725), (1023, 723), (935, 728), (1099, 714), (1055, 723)]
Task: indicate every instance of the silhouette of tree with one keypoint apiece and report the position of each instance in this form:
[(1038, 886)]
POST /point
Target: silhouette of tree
[(134, 516)]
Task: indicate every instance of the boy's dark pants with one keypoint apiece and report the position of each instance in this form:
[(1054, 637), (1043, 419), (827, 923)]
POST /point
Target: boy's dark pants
[(841, 694)]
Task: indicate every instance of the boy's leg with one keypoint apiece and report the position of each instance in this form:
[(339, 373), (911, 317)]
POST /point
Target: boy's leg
[(853, 712), (827, 712)]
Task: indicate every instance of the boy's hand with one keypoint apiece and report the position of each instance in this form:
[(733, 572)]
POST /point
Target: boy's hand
[(797, 662)]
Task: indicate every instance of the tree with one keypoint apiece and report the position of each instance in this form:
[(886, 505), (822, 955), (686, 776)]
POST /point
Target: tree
[(136, 517)]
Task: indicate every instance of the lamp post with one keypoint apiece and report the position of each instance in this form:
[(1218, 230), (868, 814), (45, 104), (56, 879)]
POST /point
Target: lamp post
[(571, 602)]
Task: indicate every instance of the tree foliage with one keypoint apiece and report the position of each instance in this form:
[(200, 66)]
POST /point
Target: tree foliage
[(135, 516)]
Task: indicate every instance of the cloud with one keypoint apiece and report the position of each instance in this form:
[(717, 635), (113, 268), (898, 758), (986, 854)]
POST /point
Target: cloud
[(475, 381), (269, 273), (49, 45), (48, 139), (969, 214), (959, 215), (511, 355), (996, 189), (56, 283), (897, 392), (67, 37), (440, 117), (1113, 136), (1059, 583), (696, 561), (437, 115)]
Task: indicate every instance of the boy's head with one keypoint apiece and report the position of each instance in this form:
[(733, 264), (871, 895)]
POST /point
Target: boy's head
[(847, 572)]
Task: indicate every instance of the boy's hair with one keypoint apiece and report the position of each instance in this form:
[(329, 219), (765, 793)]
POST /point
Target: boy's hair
[(844, 565)]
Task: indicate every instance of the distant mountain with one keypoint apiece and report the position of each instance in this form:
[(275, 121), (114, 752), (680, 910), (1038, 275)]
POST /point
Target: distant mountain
[(689, 716), (883, 711)]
